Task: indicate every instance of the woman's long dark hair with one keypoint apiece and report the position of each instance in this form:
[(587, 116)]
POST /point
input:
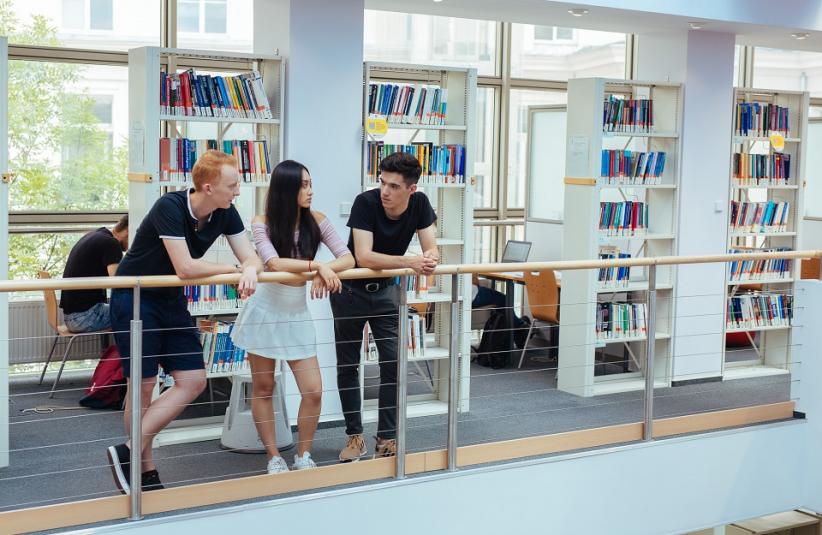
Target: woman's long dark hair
[(282, 211)]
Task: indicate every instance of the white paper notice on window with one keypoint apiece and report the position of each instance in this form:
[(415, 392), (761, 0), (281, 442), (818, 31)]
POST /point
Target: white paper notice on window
[(577, 156), (136, 151)]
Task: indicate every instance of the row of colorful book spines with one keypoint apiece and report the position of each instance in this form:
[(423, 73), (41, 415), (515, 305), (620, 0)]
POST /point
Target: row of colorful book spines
[(445, 160), (210, 292), (222, 355), (432, 180), (761, 165), (761, 119), (630, 181), (623, 215), (618, 163), (616, 273), (178, 156), (627, 113), (190, 94), (420, 283), (767, 214), (760, 309), (408, 104), (615, 320), (760, 269), (416, 335)]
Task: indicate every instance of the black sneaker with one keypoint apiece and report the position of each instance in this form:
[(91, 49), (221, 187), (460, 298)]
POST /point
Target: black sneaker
[(151, 481), (119, 460)]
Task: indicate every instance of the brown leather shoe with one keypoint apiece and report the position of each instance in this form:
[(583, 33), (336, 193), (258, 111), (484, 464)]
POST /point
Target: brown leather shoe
[(386, 447), (354, 449)]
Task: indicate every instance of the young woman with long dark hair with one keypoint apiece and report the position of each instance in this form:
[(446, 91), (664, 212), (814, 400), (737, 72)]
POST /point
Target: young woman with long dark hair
[(275, 322)]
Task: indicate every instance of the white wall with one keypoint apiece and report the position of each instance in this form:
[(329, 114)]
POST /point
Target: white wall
[(323, 41), (703, 61), (806, 372), (546, 241)]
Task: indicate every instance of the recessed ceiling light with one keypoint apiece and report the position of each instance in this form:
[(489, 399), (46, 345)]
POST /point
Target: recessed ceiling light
[(578, 11), (800, 35), (696, 25), (437, 1)]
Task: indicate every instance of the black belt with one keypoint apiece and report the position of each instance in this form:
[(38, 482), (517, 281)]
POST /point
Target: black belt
[(372, 285)]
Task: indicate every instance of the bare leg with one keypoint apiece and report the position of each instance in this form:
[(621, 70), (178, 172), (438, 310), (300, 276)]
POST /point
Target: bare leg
[(160, 412), (145, 400), (262, 388), (309, 381)]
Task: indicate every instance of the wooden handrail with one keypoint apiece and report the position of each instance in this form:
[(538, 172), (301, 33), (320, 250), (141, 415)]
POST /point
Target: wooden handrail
[(87, 283)]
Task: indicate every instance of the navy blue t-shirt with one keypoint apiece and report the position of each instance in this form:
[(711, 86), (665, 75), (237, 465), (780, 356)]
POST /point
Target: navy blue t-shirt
[(171, 218)]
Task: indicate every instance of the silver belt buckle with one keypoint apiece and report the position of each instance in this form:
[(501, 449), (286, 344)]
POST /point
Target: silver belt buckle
[(372, 287)]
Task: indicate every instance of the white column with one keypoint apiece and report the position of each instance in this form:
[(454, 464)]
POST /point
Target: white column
[(322, 41), (704, 62)]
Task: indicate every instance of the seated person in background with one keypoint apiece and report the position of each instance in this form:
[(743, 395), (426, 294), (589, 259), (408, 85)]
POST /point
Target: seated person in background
[(484, 296), (95, 255)]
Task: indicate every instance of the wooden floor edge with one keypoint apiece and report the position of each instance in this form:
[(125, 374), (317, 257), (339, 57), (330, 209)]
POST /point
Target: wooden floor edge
[(233, 490)]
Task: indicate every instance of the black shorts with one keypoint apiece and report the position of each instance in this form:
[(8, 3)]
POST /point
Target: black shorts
[(170, 338)]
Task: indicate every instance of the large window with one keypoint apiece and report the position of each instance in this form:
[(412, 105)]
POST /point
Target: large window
[(425, 39), (487, 113), (216, 25), (788, 69), (97, 24), (557, 53)]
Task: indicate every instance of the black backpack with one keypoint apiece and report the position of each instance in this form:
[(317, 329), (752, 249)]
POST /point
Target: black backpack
[(494, 351)]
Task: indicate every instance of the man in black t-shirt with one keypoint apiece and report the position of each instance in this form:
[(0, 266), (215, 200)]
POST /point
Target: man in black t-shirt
[(95, 255), (172, 238), (383, 221)]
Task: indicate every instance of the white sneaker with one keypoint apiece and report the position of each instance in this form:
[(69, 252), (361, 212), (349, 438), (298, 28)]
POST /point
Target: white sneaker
[(277, 465), (304, 462)]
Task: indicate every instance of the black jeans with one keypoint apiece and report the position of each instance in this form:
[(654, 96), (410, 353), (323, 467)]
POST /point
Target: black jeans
[(352, 308)]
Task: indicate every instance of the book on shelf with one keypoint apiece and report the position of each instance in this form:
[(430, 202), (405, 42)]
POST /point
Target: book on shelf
[(632, 167), (219, 352), (628, 115), (759, 309), (402, 103), (441, 164), (369, 345), (617, 276), (761, 169), (212, 297), (757, 217), (418, 285), (756, 119), (188, 94), (620, 320), (627, 218), (178, 156), (416, 339), (762, 269)]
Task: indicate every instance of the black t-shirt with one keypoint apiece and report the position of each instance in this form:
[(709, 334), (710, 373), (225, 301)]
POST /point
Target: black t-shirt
[(90, 257), (391, 236), (171, 218)]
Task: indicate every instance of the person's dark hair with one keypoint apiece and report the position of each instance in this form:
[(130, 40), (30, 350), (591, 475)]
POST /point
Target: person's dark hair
[(122, 224), (403, 163), (281, 212)]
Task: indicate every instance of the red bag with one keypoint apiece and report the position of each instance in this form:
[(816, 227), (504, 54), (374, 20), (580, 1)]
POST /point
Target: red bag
[(108, 385)]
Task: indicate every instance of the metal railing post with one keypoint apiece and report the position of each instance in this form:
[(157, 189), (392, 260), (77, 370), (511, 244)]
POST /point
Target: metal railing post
[(650, 345), (402, 374), (453, 374), (136, 343)]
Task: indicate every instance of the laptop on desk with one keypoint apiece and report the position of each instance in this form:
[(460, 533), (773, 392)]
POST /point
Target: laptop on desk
[(516, 251)]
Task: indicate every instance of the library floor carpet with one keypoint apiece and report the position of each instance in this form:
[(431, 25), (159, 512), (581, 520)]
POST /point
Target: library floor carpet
[(60, 456)]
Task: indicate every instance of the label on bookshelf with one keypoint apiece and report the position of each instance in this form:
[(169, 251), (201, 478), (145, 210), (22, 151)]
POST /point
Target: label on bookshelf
[(178, 156), (189, 94)]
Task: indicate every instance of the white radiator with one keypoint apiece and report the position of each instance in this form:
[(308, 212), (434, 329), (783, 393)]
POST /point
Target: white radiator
[(31, 337)]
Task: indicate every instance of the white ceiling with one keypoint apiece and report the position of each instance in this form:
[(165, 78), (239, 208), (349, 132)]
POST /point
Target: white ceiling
[(754, 22)]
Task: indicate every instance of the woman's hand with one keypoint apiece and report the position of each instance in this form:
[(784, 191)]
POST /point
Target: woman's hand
[(318, 288), (248, 281), (330, 278)]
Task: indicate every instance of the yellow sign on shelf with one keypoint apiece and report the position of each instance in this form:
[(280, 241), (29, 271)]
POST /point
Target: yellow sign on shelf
[(376, 126), (777, 142)]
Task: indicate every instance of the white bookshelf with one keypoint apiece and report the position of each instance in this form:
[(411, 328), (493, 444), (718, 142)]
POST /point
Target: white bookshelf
[(148, 124), (453, 203), (768, 347), (582, 354), (4, 254)]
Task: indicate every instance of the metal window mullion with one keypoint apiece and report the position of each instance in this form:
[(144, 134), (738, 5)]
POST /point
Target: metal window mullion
[(67, 55)]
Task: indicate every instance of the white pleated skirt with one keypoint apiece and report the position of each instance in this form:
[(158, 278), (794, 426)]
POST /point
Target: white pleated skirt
[(275, 323)]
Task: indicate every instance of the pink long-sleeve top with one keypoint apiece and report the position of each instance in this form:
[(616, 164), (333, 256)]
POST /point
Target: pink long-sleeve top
[(328, 236)]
